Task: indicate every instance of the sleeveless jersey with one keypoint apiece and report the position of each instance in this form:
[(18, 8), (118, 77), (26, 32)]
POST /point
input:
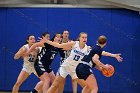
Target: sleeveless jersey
[(76, 54), (47, 54), (29, 60)]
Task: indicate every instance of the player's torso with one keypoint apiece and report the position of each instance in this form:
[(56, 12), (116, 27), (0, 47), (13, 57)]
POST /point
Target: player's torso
[(47, 55), (29, 60), (76, 54)]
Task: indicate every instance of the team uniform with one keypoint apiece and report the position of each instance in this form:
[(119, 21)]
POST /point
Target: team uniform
[(45, 58), (28, 65), (83, 69), (70, 63), (63, 55)]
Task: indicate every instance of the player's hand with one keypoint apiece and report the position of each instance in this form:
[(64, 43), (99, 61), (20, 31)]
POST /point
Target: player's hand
[(39, 39), (107, 66), (118, 57), (42, 39)]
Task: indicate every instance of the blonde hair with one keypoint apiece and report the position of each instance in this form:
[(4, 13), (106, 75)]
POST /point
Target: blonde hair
[(81, 34)]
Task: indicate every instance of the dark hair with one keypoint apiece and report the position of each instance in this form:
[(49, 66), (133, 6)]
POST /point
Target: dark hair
[(28, 38), (102, 40), (64, 31), (52, 39), (44, 34), (81, 34)]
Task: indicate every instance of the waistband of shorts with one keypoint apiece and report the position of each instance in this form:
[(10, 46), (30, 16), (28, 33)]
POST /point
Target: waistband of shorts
[(86, 63), (70, 63)]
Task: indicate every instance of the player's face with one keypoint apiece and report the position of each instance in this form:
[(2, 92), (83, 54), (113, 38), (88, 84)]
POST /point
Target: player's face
[(83, 38), (58, 38), (47, 36), (65, 34), (31, 40)]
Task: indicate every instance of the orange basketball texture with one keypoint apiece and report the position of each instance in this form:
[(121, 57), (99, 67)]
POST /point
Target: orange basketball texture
[(109, 72)]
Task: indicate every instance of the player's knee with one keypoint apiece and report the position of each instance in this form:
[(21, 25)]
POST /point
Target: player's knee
[(54, 86), (95, 88), (18, 83), (47, 79), (40, 83)]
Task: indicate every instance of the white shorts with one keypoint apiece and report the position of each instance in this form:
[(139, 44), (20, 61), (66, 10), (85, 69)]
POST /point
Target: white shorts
[(67, 69), (29, 69)]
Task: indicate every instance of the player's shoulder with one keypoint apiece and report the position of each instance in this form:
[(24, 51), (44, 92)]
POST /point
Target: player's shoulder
[(89, 48), (26, 46)]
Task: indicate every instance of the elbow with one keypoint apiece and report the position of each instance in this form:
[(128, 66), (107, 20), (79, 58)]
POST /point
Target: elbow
[(16, 57), (96, 61)]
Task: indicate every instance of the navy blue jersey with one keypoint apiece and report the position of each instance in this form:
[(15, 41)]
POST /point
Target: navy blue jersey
[(64, 54), (47, 54), (96, 50)]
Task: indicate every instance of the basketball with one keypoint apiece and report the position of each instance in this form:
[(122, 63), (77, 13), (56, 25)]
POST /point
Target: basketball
[(109, 72)]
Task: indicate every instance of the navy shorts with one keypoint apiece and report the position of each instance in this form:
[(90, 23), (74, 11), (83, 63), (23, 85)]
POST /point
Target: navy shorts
[(42, 67), (83, 71)]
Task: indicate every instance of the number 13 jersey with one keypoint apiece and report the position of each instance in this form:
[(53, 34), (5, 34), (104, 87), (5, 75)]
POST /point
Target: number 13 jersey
[(76, 54)]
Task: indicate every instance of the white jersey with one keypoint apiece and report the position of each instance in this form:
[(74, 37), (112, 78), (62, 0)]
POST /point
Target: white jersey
[(76, 54), (69, 65), (29, 60)]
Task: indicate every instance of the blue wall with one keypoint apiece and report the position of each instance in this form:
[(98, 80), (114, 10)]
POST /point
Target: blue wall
[(119, 25)]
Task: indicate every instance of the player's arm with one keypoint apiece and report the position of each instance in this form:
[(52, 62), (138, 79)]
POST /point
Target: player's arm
[(63, 45), (98, 67), (117, 56), (38, 49), (99, 64), (20, 53), (38, 44)]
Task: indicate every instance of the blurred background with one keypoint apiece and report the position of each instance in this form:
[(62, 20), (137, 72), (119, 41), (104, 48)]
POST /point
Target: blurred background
[(118, 20)]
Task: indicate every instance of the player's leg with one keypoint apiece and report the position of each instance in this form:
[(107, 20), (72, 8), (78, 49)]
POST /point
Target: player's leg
[(85, 73), (92, 83), (21, 78), (52, 78), (62, 73), (61, 86), (46, 82), (74, 77), (38, 87), (55, 84), (74, 85)]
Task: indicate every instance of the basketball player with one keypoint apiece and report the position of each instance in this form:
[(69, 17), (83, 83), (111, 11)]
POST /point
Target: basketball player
[(45, 58), (83, 69), (38, 87), (64, 54), (28, 65), (78, 50)]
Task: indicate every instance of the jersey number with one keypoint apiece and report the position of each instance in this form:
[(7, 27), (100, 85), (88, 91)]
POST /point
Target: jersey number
[(31, 58), (52, 57), (76, 58), (67, 53)]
